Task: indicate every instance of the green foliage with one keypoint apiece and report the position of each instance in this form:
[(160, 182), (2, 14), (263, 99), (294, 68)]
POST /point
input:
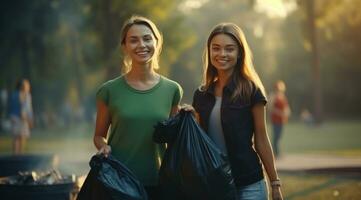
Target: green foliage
[(68, 48), (338, 26), (294, 64), (60, 45)]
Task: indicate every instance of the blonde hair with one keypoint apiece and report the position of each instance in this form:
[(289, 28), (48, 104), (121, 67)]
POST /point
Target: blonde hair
[(139, 20), (243, 74)]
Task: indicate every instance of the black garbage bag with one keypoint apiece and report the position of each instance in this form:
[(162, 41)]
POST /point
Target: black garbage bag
[(193, 167), (167, 130), (110, 179)]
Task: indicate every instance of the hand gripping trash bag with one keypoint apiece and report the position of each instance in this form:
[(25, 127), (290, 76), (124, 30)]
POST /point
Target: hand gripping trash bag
[(193, 168), (109, 179)]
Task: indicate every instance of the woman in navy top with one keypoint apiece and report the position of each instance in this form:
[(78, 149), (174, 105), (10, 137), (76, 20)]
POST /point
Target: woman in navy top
[(230, 106)]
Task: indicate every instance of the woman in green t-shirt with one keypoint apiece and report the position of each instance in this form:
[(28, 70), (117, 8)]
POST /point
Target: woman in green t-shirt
[(134, 102)]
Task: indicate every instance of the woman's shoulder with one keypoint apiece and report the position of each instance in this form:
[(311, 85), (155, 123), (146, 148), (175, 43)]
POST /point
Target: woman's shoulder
[(111, 83), (200, 90), (256, 87), (169, 82), (199, 93), (108, 87), (258, 93)]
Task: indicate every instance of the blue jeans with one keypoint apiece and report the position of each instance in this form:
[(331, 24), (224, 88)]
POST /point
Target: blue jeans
[(254, 191), (277, 133)]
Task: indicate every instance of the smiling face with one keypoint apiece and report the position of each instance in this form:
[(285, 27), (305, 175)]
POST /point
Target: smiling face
[(140, 44), (224, 52)]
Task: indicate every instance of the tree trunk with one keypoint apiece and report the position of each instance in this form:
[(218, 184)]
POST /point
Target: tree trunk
[(25, 58), (315, 62), (108, 37), (78, 65)]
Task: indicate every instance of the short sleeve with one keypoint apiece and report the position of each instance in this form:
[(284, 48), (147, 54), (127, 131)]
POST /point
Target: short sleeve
[(177, 95), (103, 94), (258, 97), (195, 100)]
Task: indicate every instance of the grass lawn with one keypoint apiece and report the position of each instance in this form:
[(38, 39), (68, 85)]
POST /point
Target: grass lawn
[(341, 138), (335, 138), (332, 138), (320, 187), (75, 139)]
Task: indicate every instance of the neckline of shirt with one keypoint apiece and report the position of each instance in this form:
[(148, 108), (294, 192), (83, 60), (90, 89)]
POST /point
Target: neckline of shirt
[(142, 91)]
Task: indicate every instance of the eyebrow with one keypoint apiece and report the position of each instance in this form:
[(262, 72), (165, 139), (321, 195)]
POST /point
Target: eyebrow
[(146, 35), (227, 45)]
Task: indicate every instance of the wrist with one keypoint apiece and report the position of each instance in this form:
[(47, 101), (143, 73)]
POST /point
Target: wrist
[(275, 183), (105, 149)]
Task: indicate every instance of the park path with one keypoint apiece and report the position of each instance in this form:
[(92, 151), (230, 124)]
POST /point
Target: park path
[(302, 162)]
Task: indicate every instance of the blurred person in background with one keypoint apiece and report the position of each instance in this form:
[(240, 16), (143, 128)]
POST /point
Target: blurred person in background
[(134, 102), (21, 114), (230, 106), (307, 117), (280, 112)]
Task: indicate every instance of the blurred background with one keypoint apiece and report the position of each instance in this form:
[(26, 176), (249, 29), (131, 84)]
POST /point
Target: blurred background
[(68, 48)]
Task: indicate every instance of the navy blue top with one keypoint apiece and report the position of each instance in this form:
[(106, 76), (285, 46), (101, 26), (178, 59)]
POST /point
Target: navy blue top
[(238, 128)]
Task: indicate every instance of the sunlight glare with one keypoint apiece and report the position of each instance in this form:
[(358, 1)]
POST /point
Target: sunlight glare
[(275, 8), (188, 5)]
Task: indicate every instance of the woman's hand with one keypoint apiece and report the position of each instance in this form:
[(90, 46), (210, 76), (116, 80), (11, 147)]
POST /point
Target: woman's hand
[(276, 193), (188, 108), (105, 150)]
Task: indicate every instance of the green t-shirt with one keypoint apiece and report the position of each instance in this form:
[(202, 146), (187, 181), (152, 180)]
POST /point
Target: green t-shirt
[(133, 115)]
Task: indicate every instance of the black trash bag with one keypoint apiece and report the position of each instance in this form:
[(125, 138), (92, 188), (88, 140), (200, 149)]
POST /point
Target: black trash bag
[(193, 167), (166, 130), (110, 179)]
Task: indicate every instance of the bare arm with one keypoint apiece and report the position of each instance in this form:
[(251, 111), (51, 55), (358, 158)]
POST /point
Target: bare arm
[(264, 149), (101, 128), (175, 109)]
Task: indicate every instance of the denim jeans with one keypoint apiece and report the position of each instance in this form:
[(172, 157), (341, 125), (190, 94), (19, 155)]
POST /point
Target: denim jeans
[(277, 133), (254, 191)]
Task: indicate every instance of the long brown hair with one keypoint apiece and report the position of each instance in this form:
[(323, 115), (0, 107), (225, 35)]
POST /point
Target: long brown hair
[(243, 74), (139, 20)]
